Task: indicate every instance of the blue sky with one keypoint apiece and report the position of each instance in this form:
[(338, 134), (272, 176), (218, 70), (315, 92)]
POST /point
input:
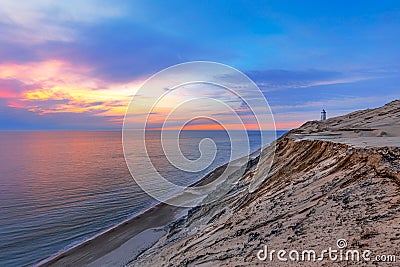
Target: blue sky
[(71, 65)]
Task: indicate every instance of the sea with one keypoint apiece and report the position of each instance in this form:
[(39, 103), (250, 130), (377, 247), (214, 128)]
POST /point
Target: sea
[(60, 188)]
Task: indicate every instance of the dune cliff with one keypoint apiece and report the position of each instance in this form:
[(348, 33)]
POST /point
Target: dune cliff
[(330, 180)]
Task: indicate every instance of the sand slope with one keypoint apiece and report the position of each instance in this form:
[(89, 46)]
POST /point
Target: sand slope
[(337, 179)]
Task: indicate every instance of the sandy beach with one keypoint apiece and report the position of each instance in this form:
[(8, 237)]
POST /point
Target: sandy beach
[(130, 249)]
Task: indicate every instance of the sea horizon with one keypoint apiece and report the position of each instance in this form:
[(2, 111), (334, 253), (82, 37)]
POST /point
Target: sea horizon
[(121, 130)]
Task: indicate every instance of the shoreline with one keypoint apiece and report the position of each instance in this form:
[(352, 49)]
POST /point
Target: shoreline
[(100, 248), (158, 216)]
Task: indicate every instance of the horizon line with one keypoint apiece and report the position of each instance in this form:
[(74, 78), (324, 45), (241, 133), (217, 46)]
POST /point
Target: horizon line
[(120, 130)]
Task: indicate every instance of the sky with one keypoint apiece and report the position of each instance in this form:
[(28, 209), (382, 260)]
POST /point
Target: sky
[(77, 64)]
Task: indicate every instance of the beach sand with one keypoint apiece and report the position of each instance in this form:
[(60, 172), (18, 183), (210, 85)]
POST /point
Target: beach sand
[(121, 243), (130, 249)]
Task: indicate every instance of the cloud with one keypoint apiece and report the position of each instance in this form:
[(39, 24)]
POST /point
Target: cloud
[(41, 21), (337, 105), (272, 80), (15, 118), (58, 87), (13, 88), (118, 50)]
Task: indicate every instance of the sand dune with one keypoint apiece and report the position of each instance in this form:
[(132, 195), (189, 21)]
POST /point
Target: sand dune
[(358, 129), (330, 180)]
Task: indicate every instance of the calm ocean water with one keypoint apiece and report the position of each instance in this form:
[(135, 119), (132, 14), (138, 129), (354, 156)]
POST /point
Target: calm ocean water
[(58, 189)]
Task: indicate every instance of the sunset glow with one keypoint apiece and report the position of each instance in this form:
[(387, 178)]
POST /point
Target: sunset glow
[(59, 87), (77, 65)]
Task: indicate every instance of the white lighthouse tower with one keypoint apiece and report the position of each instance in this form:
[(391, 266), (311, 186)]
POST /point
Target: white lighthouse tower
[(323, 115)]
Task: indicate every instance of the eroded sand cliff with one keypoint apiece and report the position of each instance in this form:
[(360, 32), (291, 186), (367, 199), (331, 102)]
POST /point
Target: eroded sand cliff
[(337, 179)]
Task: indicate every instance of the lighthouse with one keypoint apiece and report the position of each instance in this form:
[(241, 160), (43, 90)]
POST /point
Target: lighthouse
[(323, 115)]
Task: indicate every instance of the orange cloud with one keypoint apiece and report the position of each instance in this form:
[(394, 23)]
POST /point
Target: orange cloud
[(56, 86)]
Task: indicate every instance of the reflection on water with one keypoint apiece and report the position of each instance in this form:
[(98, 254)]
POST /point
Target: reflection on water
[(58, 188)]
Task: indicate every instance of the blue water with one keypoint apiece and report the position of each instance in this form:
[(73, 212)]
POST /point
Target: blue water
[(62, 187)]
